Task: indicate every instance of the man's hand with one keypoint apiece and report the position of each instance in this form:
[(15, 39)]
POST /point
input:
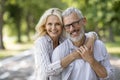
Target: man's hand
[(86, 54)]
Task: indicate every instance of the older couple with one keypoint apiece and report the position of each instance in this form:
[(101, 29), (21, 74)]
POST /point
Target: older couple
[(63, 51)]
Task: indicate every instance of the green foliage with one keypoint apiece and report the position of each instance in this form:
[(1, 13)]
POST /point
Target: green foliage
[(100, 14), (114, 47), (116, 8), (14, 50), (21, 13)]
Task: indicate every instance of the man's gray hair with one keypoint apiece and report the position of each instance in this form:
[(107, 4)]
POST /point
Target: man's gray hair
[(70, 10)]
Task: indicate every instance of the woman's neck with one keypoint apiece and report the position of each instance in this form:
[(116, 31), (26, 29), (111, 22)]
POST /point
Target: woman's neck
[(55, 43)]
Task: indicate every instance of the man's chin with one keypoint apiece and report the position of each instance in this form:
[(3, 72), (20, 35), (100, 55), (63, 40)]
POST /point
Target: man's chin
[(75, 39)]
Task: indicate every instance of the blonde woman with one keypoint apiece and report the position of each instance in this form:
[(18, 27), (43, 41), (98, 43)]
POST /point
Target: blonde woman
[(49, 34)]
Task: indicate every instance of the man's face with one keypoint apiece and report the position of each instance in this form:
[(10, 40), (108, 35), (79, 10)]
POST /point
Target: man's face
[(74, 27)]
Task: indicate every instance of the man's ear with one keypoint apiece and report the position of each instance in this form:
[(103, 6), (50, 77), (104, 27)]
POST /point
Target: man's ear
[(84, 21)]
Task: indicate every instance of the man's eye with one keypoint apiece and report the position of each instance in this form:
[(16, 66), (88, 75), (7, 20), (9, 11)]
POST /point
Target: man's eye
[(75, 23), (66, 26)]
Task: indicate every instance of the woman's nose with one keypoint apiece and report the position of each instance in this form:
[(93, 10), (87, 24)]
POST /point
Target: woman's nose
[(53, 26)]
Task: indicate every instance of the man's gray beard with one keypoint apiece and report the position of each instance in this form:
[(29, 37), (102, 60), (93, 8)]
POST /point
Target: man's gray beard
[(76, 39)]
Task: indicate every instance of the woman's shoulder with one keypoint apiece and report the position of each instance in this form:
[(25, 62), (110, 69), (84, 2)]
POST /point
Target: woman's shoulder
[(42, 39)]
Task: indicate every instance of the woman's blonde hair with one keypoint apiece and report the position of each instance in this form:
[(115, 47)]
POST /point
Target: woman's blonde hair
[(40, 27)]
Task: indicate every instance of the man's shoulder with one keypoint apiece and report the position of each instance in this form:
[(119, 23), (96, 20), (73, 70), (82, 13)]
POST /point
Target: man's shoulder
[(100, 50), (99, 43)]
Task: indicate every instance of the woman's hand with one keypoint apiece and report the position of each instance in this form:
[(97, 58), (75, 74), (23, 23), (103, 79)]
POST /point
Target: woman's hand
[(90, 43), (76, 55), (91, 37)]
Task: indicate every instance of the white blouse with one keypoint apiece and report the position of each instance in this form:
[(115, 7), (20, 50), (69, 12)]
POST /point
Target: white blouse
[(42, 55), (80, 69)]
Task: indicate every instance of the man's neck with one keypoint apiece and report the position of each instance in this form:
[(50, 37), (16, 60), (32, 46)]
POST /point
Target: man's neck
[(80, 42)]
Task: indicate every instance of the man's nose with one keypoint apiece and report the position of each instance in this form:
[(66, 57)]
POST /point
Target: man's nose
[(71, 27)]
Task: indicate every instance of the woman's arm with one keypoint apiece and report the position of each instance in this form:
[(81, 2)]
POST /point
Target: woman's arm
[(43, 65), (65, 61), (91, 37), (42, 59), (59, 62), (70, 58)]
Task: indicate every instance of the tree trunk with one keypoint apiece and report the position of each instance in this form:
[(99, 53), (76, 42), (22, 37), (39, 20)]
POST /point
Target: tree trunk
[(111, 37), (19, 31), (28, 26), (1, 24)]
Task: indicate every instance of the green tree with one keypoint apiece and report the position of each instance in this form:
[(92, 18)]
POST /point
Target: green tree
[(102, 16), (2, 3), (15, 13), (32, 10)]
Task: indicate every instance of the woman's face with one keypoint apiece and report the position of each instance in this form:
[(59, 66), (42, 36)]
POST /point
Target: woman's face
[(53, 26)]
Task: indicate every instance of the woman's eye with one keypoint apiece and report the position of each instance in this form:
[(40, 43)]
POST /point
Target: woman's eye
[(50, 24), (57, 24)]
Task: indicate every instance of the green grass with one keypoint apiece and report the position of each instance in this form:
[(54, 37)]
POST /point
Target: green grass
[(114, 48), (14, 49)]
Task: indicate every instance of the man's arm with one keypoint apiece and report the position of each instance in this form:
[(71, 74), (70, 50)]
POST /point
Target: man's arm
[(105, 62), (88, 56), (98, 68)]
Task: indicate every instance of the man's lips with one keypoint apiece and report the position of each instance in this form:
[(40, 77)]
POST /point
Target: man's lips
[(75, 32)]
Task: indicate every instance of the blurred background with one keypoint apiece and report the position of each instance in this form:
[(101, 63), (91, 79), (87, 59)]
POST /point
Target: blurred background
[(19, 17)]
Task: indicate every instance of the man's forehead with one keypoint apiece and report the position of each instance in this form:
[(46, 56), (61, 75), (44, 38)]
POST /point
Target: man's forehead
[(70, 18)]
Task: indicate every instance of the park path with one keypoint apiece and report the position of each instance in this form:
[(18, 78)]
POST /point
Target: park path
[(20, 67)]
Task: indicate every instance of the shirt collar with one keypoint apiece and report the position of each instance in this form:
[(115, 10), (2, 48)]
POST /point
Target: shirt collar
[(72, 47)]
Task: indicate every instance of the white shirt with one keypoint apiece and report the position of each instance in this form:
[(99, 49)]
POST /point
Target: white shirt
[(80, 69)]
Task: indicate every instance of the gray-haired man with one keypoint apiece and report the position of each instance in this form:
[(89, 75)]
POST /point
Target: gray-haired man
[(92, 65)]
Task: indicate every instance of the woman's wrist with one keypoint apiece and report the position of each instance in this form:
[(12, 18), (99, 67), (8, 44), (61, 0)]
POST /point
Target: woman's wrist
[(90, 42), (76, 54)]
